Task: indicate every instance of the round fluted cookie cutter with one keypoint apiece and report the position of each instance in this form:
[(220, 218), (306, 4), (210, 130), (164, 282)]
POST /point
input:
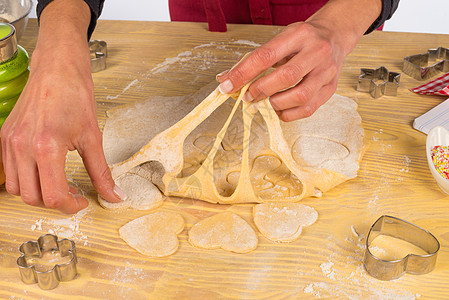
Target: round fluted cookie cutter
[(411, 263), (48, 279)]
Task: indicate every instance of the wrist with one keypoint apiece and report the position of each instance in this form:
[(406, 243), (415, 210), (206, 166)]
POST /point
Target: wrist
[(64, 22), (346, 21), (62, 36)]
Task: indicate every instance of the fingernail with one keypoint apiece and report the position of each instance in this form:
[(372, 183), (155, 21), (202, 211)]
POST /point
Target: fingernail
[(247, 97), (221, 75), (226, 87), (119, 193)]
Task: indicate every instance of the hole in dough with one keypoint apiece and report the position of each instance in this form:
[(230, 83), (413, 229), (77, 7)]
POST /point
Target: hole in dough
[(229, 156), (314, 151), (270, 177), (153, 171), (272, 180)]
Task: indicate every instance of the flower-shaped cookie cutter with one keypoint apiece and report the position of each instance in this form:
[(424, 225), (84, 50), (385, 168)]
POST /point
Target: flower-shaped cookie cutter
[(378, 82), (98, 53), (417, 66), (411, 263), (47, 244)]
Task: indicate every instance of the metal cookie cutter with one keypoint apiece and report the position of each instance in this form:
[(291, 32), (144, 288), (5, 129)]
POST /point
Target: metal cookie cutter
[(411, 263), (417, 66), (98, 53), (47, 245), (378, 82)]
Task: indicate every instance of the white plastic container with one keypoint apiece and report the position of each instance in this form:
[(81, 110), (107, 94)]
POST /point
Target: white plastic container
[(438, 136)]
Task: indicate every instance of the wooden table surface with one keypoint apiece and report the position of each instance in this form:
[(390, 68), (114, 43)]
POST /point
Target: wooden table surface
[(152, 58)]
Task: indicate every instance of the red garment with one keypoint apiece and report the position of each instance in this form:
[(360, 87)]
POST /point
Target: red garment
[(219, 12)]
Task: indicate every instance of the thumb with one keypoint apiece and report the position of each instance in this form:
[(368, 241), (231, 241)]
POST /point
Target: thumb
[(95, 162)]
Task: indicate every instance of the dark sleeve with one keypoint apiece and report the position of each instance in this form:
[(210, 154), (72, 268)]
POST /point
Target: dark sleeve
[(388, 9), (96, 6)]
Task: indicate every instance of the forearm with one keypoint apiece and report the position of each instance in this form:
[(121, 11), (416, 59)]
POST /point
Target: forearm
[(62, 34), (347, 20), (67, 19), (96, 6)]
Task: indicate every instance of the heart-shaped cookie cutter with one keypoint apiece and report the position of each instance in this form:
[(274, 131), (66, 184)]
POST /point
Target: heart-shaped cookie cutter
[(48, 279), (411, 263)]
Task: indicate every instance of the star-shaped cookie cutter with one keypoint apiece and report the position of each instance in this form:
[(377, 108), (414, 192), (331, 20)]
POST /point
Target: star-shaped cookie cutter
[(417, 66), (98, 53), (47, 279), (412, 263), (378, 82)]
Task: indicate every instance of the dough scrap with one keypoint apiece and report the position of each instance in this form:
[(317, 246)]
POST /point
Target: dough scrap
[(225, 230), (154, 235), (252, 158), (283, 222)]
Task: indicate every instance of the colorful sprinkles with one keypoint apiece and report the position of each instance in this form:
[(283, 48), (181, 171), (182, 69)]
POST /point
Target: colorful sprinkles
[(440, 158)]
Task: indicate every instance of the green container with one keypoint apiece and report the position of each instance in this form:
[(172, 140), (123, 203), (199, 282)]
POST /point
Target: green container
[(14, 70)]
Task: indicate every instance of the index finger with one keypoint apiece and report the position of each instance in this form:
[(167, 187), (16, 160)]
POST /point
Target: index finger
[(257, 62), (54, 186)]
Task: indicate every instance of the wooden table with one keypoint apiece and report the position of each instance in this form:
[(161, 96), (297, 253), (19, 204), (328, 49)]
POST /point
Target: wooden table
[(151, 58)]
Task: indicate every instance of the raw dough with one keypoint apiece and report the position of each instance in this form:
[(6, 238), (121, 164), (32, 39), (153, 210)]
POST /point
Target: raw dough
[(155, 234), (144, 194), (283, 222), (253, 157), (226, 231)]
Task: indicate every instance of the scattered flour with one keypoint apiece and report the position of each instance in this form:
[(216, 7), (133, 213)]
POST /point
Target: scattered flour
[(126, 274), (181, 57), (212, 44), (354, 231), (373, 201), (203, 57), (38, 225), (284, 210), (246, 42), (377, 251), (135, 81), (406, 164), (358, 279), (65, 227), (326, 268)]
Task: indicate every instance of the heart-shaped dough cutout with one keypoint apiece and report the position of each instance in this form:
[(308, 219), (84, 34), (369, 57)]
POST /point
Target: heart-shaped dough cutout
[(283, 222), (145, 195), (155, 234), (227, 231)]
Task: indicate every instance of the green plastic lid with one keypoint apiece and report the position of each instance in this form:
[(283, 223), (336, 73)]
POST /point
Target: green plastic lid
[(5, 30), (8, 42)]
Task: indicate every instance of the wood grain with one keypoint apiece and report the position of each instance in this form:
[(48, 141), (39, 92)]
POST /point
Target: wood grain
[(325, 262)]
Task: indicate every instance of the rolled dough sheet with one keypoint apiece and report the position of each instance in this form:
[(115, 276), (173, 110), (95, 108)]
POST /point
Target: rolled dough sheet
[(155, 234), (226, 152), (283, 222), (226, 230)]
